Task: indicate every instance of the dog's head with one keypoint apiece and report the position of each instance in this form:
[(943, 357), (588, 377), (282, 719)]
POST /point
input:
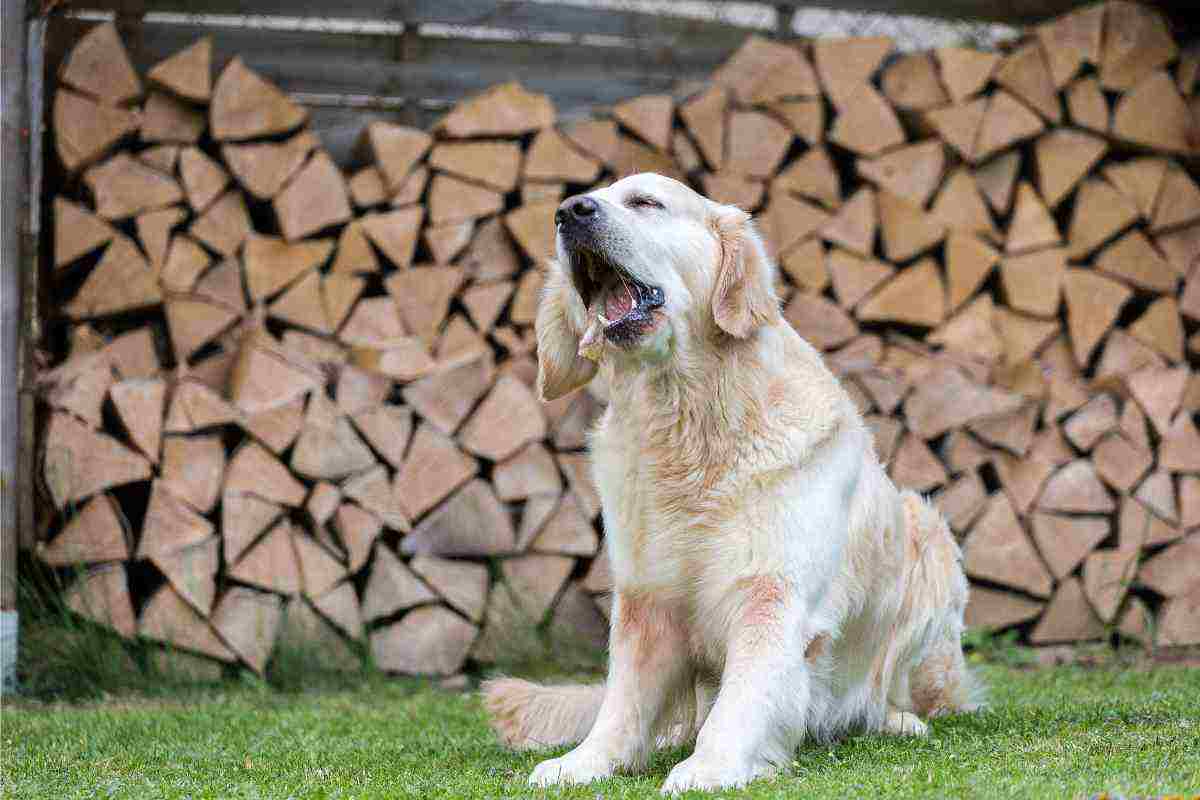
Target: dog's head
[(646, 270)]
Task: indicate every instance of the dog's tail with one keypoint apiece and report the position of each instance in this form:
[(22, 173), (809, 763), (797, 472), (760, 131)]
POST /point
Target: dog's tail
[(529, 716), (941, 683)]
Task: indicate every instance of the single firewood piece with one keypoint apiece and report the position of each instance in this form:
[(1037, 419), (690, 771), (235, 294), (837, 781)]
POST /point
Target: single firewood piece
[(1140, 180), (265, 376), (125, 187), (263, 168), (965, 70), (359, 391), (79, 462), (968, 263), (994, 610), (165, 119), (905, 227), (911, 82), (358, 530), (1177, 620), (1075, 488), (812, 175), (972, 332), (1093, 304), (960, 206), (1087, 425), (77, 232), (1033, 282), (756, 144), (805, 265), (434, 468), (648, 116), (536, 580), (99, 65), (1012, 432), (133, 354), (962, 500), (154, 231), (319, 570), (302, 304), (1161, 327), (386, 428), (1071, 40), (533, 229), (1064, 157), (192, 571), (1031, 227), (278, 427), (395, 233), (1120, 462), (195, 407), (806, 118), (552, 158), (787, 221), (962, 453), (1006, 122), (855, 277), (1172, 572), (192, 469), (101, 595), (844, 65), (485, 301), (495, 164), (854, 224), (506, 109), (998, 550), (1143, 45), (567, 532), (121, 281), (914, 466), (169, 618), (996, 180), (595, 137), (1178, 202), (328, 448), (1134, 259), (392, 587), (423, 294), (272, 263), (819, 321), (185, 262), (249, 621), (948, 399), (396, 150), (1064, 541), (99, 532), (427, 641), (193, 323), (471, 523), (162, 157), (446, 398), (170, 524), (323, 502), (253, 470), (139, 403), (915, 296), (463, 584), (1087, 106), (1157, 493), (84, 130), (1026, 74), (912, 172), (246, 106), (225, 225), (958, 125), (867, 125), (313, 200), (762, 70), (491, 254), (1153, 114), (1068, 617), (704, 116), (79, 386), (1100, 212), (339, 293), (530, 472), (187, 73), (508, 418), (271, 562), (367, 188), (354, 252)]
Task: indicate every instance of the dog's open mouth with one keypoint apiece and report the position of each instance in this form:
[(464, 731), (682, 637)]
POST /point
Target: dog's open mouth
[(622, 305)]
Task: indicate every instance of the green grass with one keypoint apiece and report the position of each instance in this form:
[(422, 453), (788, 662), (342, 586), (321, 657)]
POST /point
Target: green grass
[(1062, 732)]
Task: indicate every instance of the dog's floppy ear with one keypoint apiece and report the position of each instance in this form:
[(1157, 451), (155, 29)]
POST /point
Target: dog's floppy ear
[(744, 293), (561, 319)]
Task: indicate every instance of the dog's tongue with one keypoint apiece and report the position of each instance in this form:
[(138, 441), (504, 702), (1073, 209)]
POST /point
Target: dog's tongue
[(619, 303)]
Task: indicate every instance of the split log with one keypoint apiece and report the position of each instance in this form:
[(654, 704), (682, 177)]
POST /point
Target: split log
[(168, 618), (125, 187), (166, 119), (99, 532), (493, 164), (427, 641), (245, 106), (649, 117), (192, 571), (102, 596), (463, 584), (225, 225), (187, 73), (99, 65), (762, 70), (313, 200), (249, 621), (997, 549), (504, 110), (965, 71), (471, 523), (263, 168), (1068, 617)]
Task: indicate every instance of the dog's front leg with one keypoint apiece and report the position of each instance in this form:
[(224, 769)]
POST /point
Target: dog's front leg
[(759, 714), (648, 667)]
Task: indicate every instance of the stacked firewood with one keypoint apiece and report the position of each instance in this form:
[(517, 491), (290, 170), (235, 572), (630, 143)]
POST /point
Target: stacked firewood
[(296, 404)]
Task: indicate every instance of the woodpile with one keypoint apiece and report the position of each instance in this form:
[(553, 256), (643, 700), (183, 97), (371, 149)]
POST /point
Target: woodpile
[(295, 403)]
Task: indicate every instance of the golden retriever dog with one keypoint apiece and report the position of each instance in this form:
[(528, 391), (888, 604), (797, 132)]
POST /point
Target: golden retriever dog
[(770, 582)]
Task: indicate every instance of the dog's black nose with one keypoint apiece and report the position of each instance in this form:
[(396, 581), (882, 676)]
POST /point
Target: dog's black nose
[(576, 209)]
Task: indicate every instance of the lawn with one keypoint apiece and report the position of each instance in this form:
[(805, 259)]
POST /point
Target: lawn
[(1062, 732)]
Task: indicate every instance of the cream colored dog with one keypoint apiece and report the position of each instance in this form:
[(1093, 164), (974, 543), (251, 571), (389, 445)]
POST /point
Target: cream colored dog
[(771, 583)]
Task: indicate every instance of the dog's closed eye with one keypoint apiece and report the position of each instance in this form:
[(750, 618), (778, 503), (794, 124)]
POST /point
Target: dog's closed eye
[(640, 201)]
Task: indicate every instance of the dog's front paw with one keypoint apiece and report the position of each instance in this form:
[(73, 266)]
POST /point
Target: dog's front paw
[(904, 723), (577, 766), (707, 774)]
